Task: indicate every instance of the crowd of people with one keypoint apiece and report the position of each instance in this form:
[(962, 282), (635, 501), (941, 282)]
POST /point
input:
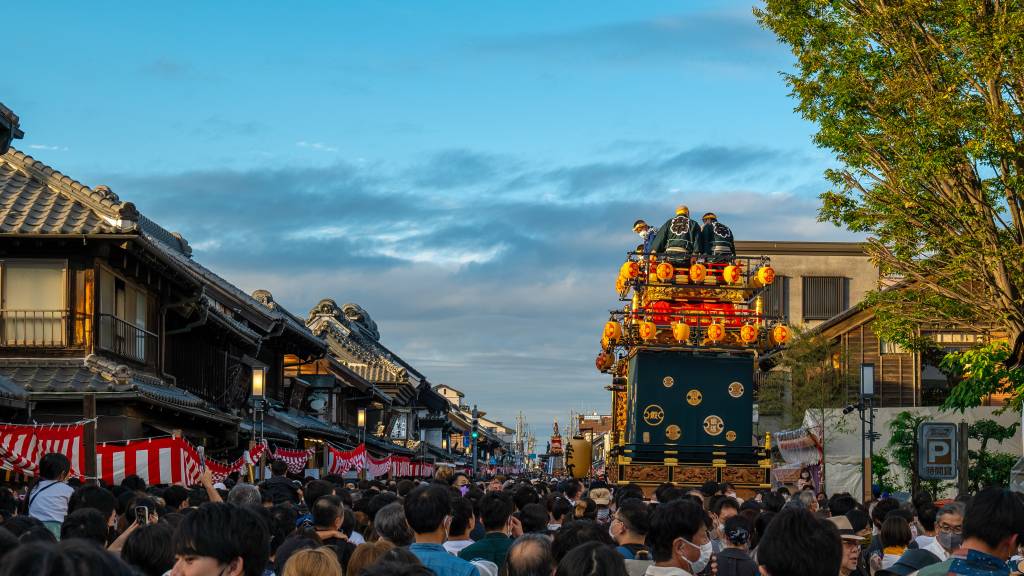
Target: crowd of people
[(525, 526)]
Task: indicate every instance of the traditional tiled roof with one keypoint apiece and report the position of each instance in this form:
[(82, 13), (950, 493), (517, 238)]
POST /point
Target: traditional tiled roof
[(311, 425), (38, 378), (36, 199)]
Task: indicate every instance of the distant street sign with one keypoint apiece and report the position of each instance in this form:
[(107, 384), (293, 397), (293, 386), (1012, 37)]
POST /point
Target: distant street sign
[(937, 451)]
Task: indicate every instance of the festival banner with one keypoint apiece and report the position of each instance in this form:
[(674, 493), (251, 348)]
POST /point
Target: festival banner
[(377, 468), (21, 446), (341, 461), (156, 460), (296, 459), (221, 470)]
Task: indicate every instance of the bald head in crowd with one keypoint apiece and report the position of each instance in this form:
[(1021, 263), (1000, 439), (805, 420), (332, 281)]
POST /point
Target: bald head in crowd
[(530, 556)]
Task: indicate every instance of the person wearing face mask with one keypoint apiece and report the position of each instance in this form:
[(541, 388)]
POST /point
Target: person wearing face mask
[(992, 525), (721, 508), (629, 529), (501, 526), (949, 523), (428, 511), (679, 540), (646, 233)]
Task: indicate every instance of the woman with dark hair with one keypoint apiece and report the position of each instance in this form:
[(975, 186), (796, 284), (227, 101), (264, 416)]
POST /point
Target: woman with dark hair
[(585, 509), (592, 559), (559, 508), (895, 537), (734, 559)]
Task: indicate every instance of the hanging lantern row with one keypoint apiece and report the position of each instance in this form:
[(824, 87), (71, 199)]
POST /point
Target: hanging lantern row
[(715, 332)]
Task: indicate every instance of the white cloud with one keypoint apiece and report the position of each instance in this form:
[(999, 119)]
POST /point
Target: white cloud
[(48, 147), (318, 146)]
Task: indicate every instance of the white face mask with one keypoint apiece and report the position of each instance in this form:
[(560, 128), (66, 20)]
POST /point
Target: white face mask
[(705, 556)]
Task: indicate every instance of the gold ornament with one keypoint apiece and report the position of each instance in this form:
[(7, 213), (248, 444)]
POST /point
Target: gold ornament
[(673, 432), (735, 389), (654, 415), (694, 397), (730, 436), (668, 381), (713, 425)]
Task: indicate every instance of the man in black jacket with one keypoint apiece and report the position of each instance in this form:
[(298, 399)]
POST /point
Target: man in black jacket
[(679, 237), (716, 240), (279, 486)]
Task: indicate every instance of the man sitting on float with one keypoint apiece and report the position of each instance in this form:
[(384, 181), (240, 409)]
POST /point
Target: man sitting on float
[(717, 240), (679, 238)]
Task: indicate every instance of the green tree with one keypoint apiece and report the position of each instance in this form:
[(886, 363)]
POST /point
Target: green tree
[(921, 102), (903, 445), (990, 468), (817, 384), (882, 474), (982, 371)]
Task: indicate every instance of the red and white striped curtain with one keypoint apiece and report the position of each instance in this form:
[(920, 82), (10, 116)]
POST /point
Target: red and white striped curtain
[(296, 459), (21, 446), (157, 461), (341, 461), (222, 470), (377, 468)]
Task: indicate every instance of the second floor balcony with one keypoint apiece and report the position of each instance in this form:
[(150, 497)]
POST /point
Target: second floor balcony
[(50, 331)]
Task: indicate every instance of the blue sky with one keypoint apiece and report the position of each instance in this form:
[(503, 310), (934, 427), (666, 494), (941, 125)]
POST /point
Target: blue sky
[(467, 172)]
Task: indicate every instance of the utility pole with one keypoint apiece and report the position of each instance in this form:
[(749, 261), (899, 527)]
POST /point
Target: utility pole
[(475, 435)]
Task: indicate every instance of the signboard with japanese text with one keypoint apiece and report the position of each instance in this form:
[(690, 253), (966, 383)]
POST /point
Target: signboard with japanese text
[(937, 451)]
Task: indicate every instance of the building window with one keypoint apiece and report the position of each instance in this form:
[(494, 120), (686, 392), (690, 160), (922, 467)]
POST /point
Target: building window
[(123, 314), (34, 302), (887, 347), (824, 296), (776, 299)]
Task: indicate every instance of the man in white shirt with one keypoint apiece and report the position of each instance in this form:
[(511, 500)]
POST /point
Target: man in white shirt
[(48, 500), (949, 524)]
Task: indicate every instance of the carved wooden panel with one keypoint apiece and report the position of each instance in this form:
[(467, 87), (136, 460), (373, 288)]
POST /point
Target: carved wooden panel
[(641, 473), (743, 475), (696, 474)]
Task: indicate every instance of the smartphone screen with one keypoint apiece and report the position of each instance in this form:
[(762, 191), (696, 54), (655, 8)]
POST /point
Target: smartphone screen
[(142, 515)]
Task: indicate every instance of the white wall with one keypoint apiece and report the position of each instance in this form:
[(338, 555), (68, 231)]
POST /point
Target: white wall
[(842, 440)]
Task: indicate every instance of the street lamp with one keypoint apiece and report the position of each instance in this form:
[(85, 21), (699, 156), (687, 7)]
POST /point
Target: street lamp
[(361, 423), (444, 443), (259, 380), (865, 408)]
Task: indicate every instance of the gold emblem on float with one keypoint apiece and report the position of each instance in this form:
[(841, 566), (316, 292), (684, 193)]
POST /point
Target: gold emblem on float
[(713, 425), (730, 436), (653, 415), (694, 397), (735, 389), (668, 381), (673, 432)]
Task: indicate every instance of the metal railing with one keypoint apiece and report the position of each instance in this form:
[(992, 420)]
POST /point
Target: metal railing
[(34, 328), (126, 339)]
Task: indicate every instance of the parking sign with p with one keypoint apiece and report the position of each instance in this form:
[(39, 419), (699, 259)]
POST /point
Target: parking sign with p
[(937, 451)]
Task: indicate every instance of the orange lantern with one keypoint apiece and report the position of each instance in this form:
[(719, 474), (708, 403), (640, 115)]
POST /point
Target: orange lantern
[(748, 333), (666, 271), (612, 331), (732, 274), (780, 334), (629, 270), (604, 361), (765, 275), (697, 273), (681, 331), (648, 331), (716, 332)]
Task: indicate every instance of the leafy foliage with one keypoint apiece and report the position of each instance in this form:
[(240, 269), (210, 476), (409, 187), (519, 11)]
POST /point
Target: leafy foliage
[(921, 102), (990, 468), (982, 371), (882, 473), (816, 381)]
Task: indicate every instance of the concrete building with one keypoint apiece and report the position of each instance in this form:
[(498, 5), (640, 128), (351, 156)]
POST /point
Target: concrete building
[(814, 280)]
